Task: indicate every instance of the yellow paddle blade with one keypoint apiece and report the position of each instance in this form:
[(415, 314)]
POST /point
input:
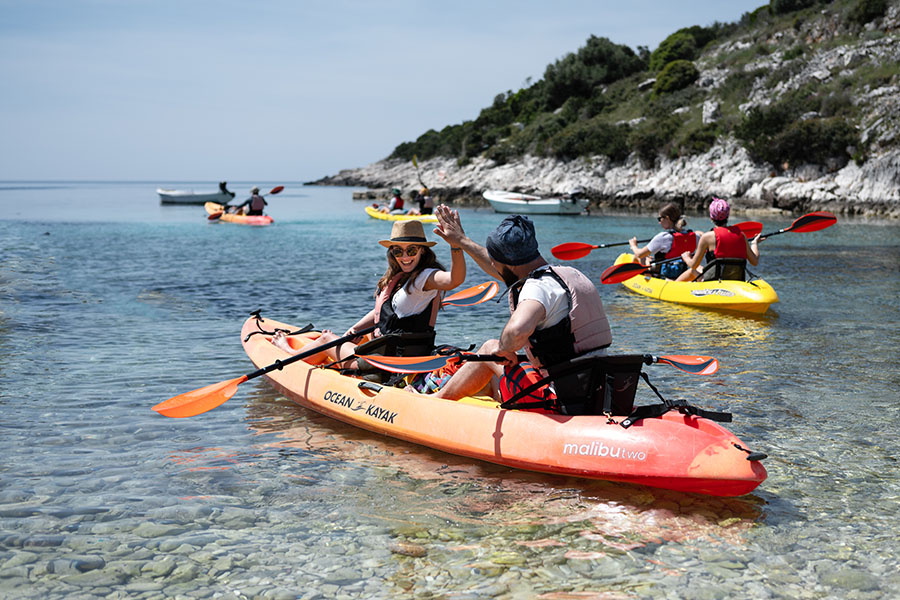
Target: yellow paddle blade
[(199, 401)]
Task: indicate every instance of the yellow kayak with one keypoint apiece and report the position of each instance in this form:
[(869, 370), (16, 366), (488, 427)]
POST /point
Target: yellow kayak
[(753, 296), (376, 214)]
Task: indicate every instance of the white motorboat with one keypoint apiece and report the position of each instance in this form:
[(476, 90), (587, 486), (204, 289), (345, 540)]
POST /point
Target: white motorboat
[(526, 204), (223, 196)]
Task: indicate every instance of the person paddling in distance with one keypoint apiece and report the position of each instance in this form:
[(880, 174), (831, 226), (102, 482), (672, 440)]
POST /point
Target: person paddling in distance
[(671, 243), (408, 295), (724, 241), (556, 313), (395, 204), (255, 204)]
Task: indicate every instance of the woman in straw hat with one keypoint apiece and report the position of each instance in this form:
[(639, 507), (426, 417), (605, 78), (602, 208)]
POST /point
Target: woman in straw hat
[(408, 295)]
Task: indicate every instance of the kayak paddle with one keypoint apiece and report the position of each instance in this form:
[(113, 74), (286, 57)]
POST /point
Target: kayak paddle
[(207, 398), (696, 365), (576, 250), (216, 215), (625, 271), (813, 221)]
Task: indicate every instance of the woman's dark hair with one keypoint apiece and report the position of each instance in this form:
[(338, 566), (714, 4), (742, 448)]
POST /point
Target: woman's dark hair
[(673, 212), (428, 260)]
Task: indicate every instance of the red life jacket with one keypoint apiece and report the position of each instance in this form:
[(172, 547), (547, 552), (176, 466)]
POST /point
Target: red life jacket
[(584, 329), (682, 241), (730, 242), (388, 320), (398, 203)]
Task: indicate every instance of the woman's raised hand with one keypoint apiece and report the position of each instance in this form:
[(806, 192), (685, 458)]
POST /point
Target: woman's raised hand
[(449, 227)]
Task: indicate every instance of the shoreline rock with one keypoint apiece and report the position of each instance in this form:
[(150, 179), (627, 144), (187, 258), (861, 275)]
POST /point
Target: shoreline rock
[(726, 170)]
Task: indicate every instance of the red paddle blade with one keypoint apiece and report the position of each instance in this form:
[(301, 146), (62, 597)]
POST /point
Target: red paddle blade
[(407, 364), (814, 221), (276, 189), (199, 401), (622, 272), (214, 216), (696, 365), (750, 229), (473, 295), (572, 250)]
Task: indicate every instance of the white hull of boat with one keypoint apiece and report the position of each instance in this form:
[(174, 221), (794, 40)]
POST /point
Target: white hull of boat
[(526, 204), (191, 197)]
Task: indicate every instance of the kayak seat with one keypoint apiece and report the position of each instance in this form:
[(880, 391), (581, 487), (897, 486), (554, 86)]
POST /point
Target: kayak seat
[(598, 385), (595, 385), (393, 344), (729, 269)]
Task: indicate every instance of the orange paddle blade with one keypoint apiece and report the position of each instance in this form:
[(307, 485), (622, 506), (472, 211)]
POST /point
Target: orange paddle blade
[(214, 216), (408, 364), (473, 295), (276, 189), (572, 250), (697, 365), (199, 401)]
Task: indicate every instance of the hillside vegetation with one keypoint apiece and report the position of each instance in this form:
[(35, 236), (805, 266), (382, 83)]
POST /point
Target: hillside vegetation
[(780, 82)]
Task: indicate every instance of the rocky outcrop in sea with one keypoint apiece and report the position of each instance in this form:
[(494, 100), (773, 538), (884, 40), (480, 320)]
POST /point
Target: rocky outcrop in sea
[(871, 189)]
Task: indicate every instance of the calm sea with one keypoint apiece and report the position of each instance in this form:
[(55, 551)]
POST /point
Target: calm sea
[(111, 303)]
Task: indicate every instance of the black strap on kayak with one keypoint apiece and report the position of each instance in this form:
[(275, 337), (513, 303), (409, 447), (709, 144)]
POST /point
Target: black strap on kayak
[(256, 314), (658, 410)]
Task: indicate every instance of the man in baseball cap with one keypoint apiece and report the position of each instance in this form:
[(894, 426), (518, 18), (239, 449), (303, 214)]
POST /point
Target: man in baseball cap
[(556, 313)]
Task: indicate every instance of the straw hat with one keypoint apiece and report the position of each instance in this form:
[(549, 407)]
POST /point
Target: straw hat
[(407, 232)]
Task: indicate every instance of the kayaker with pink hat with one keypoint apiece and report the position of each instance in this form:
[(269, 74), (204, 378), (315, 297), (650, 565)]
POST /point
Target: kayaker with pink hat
[(729, 245)]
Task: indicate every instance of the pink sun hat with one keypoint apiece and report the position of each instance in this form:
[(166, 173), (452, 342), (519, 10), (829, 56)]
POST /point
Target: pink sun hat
[(719, 209)]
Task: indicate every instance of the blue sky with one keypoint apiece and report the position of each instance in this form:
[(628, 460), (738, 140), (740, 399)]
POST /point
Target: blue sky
[(205, 90)]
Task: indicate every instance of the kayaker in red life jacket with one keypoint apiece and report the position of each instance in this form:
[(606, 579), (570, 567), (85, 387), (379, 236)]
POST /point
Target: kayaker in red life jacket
[(255, 203), (724, 241), (408, 295), (671, 243), (395, 205), (555, 312)]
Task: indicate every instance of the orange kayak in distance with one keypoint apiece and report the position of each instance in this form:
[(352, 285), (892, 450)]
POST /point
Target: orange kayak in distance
[(675, 451), (213, 208)]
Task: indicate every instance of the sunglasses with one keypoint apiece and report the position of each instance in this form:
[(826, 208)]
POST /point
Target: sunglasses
[(660, 219), (410, 250)]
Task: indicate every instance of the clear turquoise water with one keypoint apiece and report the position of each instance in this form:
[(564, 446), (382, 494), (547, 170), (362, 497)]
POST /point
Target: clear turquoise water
[(111, 303)]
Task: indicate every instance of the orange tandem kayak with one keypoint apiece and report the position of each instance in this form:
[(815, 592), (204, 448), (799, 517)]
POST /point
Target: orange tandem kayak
[(217, 209), (676, 451)]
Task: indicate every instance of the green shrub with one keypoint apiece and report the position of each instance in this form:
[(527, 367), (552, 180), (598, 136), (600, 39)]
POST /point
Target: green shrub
[(599, 62), (780, 7), (589, 138), (698, 141), (653, 137), (865, 11), (675, 76), (681, 45)]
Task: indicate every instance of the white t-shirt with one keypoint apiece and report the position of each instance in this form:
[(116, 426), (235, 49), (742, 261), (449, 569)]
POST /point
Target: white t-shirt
[(411, 299), (551, 295), (661, 242)]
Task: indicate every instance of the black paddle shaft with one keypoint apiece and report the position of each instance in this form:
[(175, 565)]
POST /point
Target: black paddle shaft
[(280, 364)]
